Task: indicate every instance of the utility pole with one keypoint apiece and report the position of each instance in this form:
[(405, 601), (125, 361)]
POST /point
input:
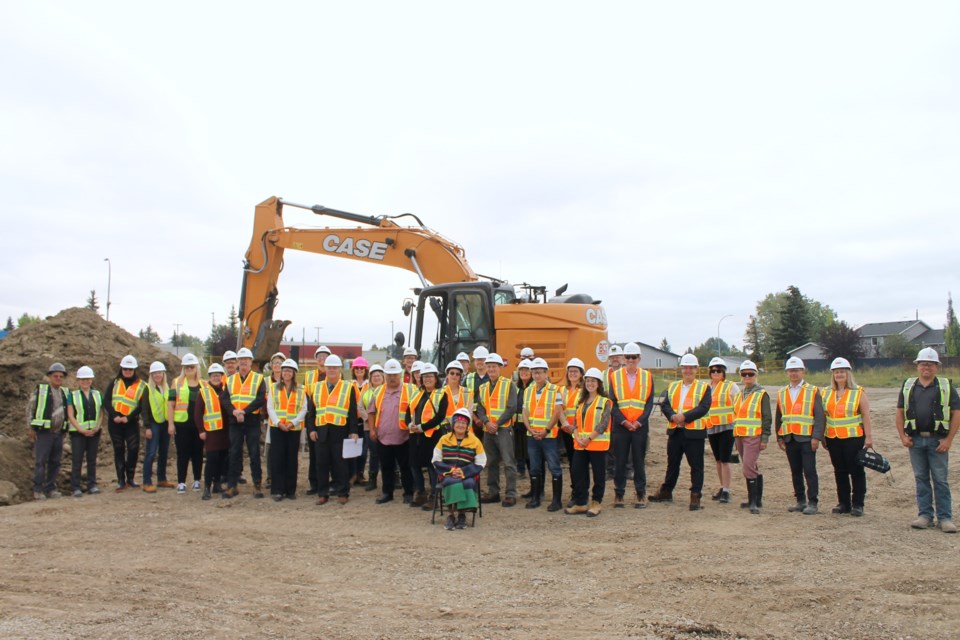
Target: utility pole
[(176, 333), (109, 277)]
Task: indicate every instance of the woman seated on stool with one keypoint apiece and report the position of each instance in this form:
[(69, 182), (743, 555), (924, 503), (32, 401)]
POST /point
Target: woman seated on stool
[(459, 458)]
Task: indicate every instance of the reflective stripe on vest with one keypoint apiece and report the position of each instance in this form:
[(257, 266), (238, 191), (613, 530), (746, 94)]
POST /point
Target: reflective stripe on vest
[(333, 405), (180, 413), (541, 407), (797, 415), (243, 392), (939, 426), (692, 399), (429, 409), (454, 403), (632, 402), (212, 414), (749, 415), (80, 413), (721, 404), (586, 423), (41, 417), (843, 413), (125, 399), (495, 402), (407, 391), (287, 404), (158, 404), (571, 399)]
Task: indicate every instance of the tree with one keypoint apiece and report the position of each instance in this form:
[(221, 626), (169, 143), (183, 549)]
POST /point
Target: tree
[(840, 340), (896, 346), (759, 339), (184, 340), (223, 337), (92, 302), (951, 331), (9, 326), (708, 350), (149, 335), (793, 326), (752, 340), (665, 346), (26, 319)]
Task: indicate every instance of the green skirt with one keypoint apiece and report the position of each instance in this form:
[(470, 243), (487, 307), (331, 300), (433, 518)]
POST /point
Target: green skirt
[(456, 496)]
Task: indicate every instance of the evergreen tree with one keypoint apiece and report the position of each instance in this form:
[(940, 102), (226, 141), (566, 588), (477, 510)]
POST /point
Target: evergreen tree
[(752, 340), (223, 337), (149, 335), (92, 302), (665, 346), (951, 331), (9, 326), (793, 327)]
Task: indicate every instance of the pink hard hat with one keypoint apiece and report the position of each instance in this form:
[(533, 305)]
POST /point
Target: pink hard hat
[(360, 362)]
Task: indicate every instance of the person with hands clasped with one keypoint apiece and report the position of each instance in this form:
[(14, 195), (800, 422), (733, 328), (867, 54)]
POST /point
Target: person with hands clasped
[(458, 458), (210, 419), (156, 429), (496, 409), (243, 397), (332, 418), (287, 410), (124, 396), (848, 431), (426, 413), (84, 414), (543, 410), (751, 431), (800, 428), (591, 440), (183, 399), (47, 413), (631, 391)]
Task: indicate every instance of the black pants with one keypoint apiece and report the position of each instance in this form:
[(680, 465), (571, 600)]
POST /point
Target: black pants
[(215, 468), (583, 463), (285, 455), (722, 445), (126, 449), (682, 444), (520, 446), (83, 447), (803, 464), (633, 445), (566, 444), (247, 432), (312, 471), (333, 472), (421, 454), (392, 456), (843, 455), (189, 450)]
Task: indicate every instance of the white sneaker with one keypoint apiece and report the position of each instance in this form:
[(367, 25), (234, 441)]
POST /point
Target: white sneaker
[(196, 485), (947, 526), (181, 488)]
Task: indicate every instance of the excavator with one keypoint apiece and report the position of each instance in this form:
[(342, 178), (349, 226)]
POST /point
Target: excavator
[(456, 309)]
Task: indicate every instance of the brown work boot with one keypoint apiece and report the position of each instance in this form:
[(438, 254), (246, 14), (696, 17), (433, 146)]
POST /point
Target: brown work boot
[(323, 500), (694, 501), (576, 509), (594, 509), (419, 499), (618, 502), (343, 499), (257, 491), (663, 494), (231, 492), (641, 502)]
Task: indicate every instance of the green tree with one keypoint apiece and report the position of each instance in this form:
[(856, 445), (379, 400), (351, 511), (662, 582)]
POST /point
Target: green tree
[(840, 340), (896, 346), (665, 346), (26, 319), (708, 349), (149, 335), (753, 341), (92, 302), (951, 331), (9, 326), (793, 325), (184, 340), (224, 337), (760, 340)]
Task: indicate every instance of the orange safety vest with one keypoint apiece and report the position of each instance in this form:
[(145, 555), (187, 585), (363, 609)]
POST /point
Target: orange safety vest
[(212, 414), (455, 403), (541, 407), (586, 423), (797, 416), (571, 398), (312, 378), (843, 413), (244, 391), (287, 405), (429, 409), (632, 401), (748, 414), (333, 405), (126, 399), (406, 392), (721, 406), (694, 396), (495, 402)]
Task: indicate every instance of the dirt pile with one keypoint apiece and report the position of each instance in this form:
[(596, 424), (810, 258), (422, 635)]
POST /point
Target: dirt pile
[(74, 337)]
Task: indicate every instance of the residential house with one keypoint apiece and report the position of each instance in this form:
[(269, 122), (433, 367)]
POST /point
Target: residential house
[(873, 334)]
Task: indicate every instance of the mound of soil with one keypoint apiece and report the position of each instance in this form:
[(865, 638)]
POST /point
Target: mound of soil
[(74, 337)]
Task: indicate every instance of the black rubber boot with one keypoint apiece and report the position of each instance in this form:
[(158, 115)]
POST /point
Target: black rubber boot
[(750, 485), (753, 488), (760, 491), (557, 502), (534, 501)]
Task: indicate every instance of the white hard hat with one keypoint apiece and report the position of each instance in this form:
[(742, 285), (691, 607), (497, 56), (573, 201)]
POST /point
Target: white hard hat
[(494, 358), (410, 351), (156, 367), (216, 367), (333, 360), (794, 363), (279, 354), (615, 350), (290, 363), (128, 362), (747, 365), (392, 367), (526, 352), (84, 373), (526, 363), (245, 353), (539, 363), (376, 367), (631, 349), (718, 362), (429, 367), (189, 360), (463, 356), (576, 362), (840, 363), (463, 412), (689, 360), (480, 352), (454, 365), (416, 365), (593, 372), (927, 354), (229, 355), (322, 349)]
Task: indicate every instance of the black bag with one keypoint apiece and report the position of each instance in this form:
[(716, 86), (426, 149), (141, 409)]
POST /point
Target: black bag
[(872, 460)]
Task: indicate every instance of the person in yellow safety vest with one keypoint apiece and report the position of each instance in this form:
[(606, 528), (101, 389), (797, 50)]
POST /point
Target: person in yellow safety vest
[(368, 413), (543, 412), (361, 380), (685, 404), (276, 362), (848, 430), (212, 420), (287, 409), (47, 414), (928, 417), (243, 397), (459, 458), (496, 408), (84, 414), (800, 424), (523, 378), (123, 397), (720, 427), (751, 430), (312, 378), (631, 392), (390, 431), (332, 418), (473, 380), (425, 417), (591, 441), (156, 429), (184, 395), (614, 362)]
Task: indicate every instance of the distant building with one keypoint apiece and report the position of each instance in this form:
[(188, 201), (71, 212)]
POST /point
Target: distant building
[(304, 352), (809, 351), (655, 358), (873, 334), (3, 334)]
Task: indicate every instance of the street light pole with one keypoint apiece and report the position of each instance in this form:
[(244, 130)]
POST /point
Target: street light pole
[(719, 350), (176, 333), (109, 278), (318, 335)]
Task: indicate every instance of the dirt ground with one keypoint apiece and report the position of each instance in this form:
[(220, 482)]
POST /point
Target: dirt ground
[(119, 565)]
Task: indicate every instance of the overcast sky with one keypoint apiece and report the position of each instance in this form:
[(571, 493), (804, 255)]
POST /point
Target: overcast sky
[(678, 161)]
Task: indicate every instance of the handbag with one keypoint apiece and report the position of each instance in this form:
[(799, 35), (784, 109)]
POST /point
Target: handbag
[(872, 460)]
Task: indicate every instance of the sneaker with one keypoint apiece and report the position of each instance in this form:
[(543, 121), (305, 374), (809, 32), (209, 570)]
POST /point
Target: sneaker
[(717, 495), (196, 485), (93, 490), (921, 522), (813, 508), (39, 496), (54, 494), (181, 488), (77, 493), (149, 488), (450, 523), (947, 526), (461, 521), (724, 496), (797, 508)]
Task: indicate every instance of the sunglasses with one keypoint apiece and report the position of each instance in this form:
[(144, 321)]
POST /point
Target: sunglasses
[(632, 357), (716, 371), (748, 374)]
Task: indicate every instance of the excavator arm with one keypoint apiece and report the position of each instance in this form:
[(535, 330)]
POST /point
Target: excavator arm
[(435, 259)]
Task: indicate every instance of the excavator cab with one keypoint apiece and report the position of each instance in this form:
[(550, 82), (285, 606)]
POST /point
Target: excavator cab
[(457, 317)]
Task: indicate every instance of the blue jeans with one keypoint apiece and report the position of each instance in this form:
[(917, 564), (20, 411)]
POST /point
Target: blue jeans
[(157, 447), (547, 448), (929, 465)]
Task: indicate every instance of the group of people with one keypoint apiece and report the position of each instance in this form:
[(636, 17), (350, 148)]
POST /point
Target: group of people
[(438, 434)]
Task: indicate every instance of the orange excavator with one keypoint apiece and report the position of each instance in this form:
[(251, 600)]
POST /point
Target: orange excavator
[(457, 310)]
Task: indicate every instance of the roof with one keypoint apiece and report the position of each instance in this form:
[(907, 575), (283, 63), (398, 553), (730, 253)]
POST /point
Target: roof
[(644, 345), (809, 344), (880, 329), (931, 337)]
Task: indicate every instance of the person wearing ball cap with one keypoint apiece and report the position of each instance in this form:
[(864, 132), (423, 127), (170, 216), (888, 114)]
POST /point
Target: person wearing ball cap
[(47, 412), (458, 458), (123, 399)]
